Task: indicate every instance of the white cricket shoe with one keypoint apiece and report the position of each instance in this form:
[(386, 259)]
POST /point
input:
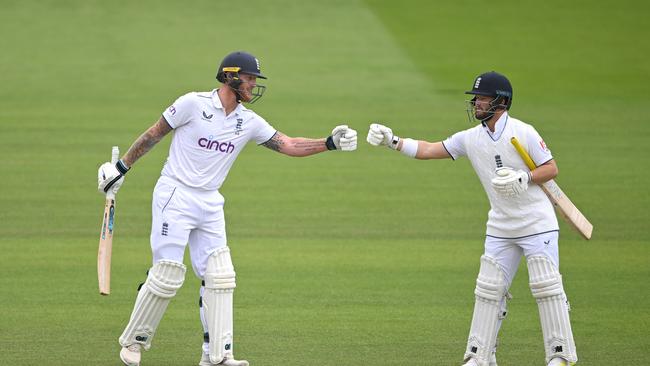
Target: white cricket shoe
[(131, 355), (559, 362), (205, 361), (473, 362), (493, 359)]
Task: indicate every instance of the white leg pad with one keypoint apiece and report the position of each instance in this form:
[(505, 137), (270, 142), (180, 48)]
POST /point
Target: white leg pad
[(546, 286), (491, 290), (217, 304), (164, 279)]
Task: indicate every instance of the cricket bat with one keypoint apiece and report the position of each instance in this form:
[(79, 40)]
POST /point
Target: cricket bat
[(562, 203), (106, 238)]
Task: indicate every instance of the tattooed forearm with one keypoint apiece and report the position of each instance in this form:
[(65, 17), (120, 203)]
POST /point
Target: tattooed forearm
[(295, 146), (309, 145), (147, 141), (275, 143)]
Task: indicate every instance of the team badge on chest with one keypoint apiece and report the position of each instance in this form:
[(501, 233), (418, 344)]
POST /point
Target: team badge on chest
[(238, 126)]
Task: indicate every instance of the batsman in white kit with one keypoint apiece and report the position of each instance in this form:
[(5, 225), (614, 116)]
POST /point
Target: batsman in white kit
[(210, 130), (521, 220)]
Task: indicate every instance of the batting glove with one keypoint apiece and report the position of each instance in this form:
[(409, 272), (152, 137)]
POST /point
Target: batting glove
[(110, 177), (343, 138), (382, 135), (510, 182)]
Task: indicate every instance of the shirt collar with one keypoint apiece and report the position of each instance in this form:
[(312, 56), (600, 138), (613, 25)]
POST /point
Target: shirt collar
[(216, 102), (498, 127)]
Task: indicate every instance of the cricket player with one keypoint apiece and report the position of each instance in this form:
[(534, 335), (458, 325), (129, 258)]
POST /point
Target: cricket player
[(210, 130), (521, 220)]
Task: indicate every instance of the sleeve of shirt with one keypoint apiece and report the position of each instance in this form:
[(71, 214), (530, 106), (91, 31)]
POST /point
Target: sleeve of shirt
[(455, 145), (263, 130), (179, 113), (536, 147)]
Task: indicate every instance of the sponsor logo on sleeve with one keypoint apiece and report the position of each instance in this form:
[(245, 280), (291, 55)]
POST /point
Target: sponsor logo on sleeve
[(172, 110), (542, 144)]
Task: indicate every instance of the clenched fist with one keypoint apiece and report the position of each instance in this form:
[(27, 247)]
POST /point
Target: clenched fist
[(510, 182), (343, 138), (382, 135)]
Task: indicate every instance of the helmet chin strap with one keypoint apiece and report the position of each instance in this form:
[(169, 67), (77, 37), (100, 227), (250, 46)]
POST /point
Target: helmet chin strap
[(234, 83)]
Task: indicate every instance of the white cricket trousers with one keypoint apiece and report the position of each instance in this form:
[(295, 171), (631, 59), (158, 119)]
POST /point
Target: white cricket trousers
[(508, 252), (182, 215)]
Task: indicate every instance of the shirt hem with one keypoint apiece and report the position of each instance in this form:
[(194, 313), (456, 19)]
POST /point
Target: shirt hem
[(521, 237)]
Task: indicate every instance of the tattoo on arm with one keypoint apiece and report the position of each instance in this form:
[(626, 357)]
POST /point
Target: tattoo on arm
[(295, 146), (147, 141), (310, 145), (275, 143)]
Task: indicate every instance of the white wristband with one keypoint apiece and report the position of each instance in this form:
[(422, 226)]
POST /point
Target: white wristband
[(409, 147)]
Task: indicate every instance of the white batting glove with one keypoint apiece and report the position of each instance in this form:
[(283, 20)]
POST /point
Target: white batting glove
[(348, 141), (110, 177), (343, 138), (382, 135), (510, 182)]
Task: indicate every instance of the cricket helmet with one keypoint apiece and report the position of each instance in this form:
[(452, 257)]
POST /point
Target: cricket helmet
[(493, 84), (239, 62)]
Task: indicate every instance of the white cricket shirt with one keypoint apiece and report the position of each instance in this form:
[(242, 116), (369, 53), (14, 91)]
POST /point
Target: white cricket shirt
[(206, 142), (510, 217)]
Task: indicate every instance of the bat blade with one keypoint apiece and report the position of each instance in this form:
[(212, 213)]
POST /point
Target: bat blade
[(106, 248), (562, 203), (106, 238), (567, 209)]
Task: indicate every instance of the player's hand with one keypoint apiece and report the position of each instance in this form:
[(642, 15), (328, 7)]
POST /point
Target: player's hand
[(110, 177), (348, 141), (382, 135), (344, 138), (510, 182)]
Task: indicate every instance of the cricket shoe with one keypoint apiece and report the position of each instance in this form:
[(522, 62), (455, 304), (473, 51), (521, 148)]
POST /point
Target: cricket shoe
[(493, 359), (131, 355), (473, 362), (205, 361), (559, 362)]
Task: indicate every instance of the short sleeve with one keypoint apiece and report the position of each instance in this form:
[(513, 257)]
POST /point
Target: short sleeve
[(455, 145), (180, 111), (263, 130), (537, 149)]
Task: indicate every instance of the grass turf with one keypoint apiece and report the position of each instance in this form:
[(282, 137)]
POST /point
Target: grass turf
[(365, 258)]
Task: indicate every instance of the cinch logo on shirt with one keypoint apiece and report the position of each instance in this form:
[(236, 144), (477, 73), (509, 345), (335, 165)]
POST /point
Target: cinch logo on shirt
[(210, 144)]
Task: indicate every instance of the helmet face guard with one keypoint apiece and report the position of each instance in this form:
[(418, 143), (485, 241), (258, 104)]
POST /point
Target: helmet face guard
[(496, 103), (236, 63)]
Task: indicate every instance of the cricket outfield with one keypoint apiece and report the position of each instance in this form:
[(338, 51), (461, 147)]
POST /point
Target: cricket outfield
[(364, 258)]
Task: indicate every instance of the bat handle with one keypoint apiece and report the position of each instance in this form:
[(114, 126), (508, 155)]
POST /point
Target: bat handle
[(115, 154), (523, 153)]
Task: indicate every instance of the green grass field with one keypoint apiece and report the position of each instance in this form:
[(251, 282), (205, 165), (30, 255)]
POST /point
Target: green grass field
[(367, 258)]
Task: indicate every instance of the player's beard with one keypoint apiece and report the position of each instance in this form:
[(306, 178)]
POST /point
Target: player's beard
[(246, 95), (482, 115)]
